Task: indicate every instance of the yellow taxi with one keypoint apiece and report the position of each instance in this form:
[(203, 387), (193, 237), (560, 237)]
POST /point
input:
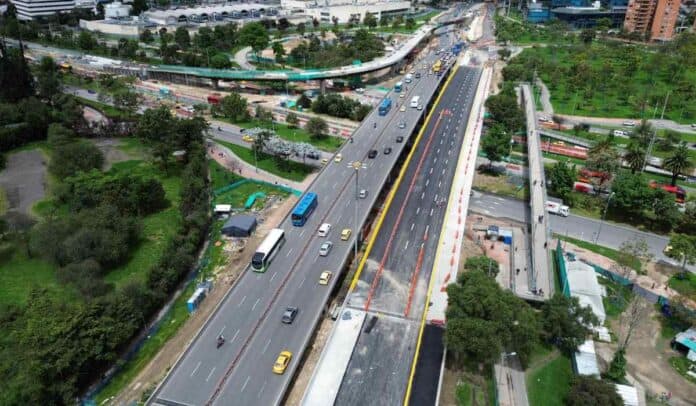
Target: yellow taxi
[(345, 234), (282, 362), (324, 161), (248, 138), (338, 158), (325, 277)]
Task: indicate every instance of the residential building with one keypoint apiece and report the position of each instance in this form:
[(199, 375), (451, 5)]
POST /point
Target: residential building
[(654, 19), (666, 16), (345, 10)]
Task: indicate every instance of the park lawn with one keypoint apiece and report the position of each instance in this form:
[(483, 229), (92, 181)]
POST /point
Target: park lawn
[(681, 364), (610, 99), (328, 143), (158, 229), (238, 196), (219, 176), (686, 284), (549, 383), (19, 274), (295, 171), (604, 251), (617, 298)]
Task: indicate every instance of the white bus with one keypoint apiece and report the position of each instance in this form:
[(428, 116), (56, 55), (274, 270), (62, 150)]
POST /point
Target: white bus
[(414, 101), (267, 250)]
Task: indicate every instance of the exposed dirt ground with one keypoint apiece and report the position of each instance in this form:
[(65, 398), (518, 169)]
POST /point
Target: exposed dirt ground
[(112, 153), (155, 371), (648, 361), (24, 180)]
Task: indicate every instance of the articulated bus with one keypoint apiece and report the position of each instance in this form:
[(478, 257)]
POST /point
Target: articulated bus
[(267, 250), (304, 209)]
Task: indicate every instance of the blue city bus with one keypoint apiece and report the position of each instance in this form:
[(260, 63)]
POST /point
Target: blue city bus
[(304, 209), (385, 106), (398, 87)]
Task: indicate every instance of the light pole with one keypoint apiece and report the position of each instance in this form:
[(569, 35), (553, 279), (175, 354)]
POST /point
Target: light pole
[(604, 215), (356, 165)]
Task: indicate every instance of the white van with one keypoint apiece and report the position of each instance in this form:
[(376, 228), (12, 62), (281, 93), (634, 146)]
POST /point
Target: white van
[(324, 230), (414, 101), (620, 133)]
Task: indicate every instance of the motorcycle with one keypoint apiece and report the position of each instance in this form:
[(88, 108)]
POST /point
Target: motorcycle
[(220, 341)]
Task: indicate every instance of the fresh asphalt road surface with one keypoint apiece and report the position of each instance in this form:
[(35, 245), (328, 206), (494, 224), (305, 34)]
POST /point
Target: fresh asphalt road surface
[(249, 317), (395, 278), (582, 228)]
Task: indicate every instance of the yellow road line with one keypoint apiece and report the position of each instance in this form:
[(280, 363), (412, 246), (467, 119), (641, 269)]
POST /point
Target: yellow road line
[(409, 388), (390, 197)]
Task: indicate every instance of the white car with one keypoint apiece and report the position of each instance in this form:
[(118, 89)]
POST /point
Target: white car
[(325, 248), (360, 90), (629, 123)]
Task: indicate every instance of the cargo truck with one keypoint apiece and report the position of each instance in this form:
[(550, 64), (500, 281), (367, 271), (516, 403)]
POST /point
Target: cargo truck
[(558, 208)]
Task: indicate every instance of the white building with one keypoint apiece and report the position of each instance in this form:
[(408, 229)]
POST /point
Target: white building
[(344, 10), (583, 284), (116, 10), (30, 9)]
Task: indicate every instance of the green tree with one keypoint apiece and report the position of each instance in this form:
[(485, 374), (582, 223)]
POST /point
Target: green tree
[(634, 156), (603, 24), (234, 107), (263, 115), (254, 35), (687, 224), (73, 157), (301, 28), (16, 82), (496, 144), (156, 129), (587, 36), (292, 120), (679, 162), (666, 212), (370, 20), (643, 132), (397, 21), (384, 21), (617, 368), (566, 323), (182, 38), (561, 178), (590, 391), (317, 127), (220, 61), (260, 141), (410, 23), (683, 249), (504, 109), (48, 82), (86, 41), (146, 36), (603, 157), (304, 101), (483, 320), (127, 100), (278, 51), (482, 263), (631, 194)]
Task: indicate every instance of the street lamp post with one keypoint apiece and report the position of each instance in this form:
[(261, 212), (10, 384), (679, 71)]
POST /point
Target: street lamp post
[(604, 215)]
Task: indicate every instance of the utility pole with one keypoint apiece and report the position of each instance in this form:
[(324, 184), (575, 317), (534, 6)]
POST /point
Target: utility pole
[(604, 215), (664, 106)]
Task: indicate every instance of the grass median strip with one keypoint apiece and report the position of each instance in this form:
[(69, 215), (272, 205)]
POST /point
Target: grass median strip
[(291, 170)]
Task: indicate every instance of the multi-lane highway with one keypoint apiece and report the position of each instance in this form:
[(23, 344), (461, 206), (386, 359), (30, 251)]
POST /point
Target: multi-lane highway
[(393, 283), (249, 316)]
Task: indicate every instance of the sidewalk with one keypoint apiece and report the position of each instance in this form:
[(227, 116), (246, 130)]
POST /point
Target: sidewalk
[(225, 157), (510, 382)]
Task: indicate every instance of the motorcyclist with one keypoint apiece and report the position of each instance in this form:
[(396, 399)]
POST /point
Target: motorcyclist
[(374, 125), (220, 340)]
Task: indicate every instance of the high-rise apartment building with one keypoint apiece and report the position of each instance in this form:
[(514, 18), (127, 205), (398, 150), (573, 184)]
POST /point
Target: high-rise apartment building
[(655, 19)]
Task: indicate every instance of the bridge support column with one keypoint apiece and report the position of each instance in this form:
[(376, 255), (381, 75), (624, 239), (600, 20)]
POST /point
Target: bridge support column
[(215, 83), (322, 86)]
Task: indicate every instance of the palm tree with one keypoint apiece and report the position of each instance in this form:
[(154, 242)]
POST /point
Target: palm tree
[(635, 156), (679, 162)]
